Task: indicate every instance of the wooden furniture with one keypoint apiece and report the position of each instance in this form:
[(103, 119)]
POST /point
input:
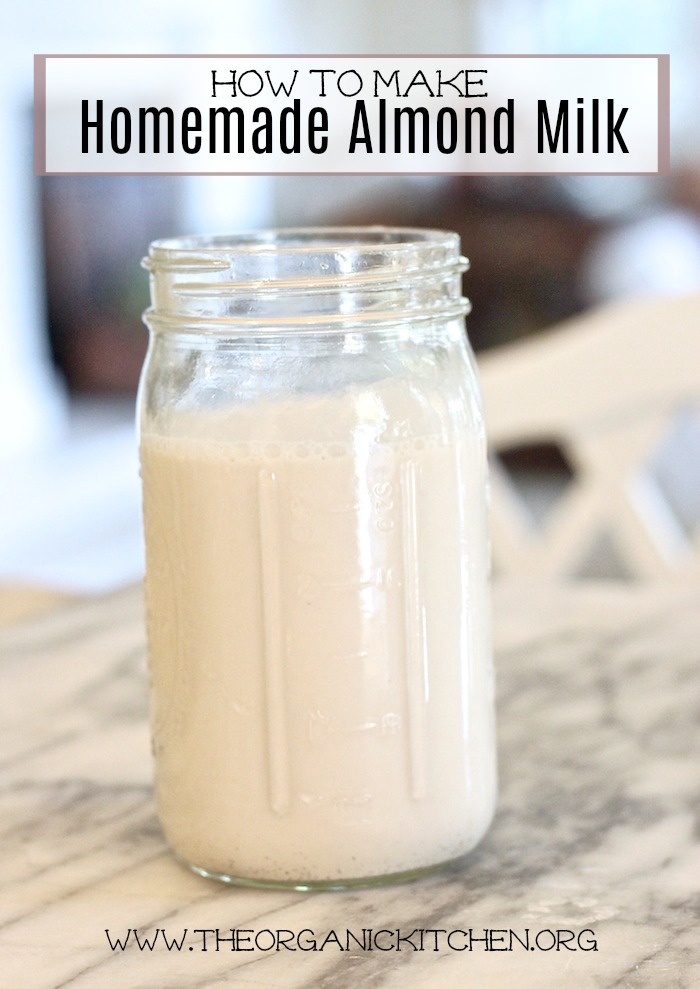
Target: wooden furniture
[(594, 836), (19, 602), (617, 392)]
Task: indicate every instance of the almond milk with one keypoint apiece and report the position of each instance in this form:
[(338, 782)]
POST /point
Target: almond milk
[(319, 639)]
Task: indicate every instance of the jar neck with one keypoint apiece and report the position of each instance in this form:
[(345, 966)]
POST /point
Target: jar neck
[(307, 281)]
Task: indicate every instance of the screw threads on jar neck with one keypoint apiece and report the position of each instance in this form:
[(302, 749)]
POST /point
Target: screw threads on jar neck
[(307, 279)]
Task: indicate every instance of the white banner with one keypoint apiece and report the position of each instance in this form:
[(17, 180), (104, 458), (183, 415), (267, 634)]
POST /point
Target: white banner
[(236, 115)]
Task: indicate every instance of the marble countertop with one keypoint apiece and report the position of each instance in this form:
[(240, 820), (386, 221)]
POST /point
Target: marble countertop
[(595, 847)]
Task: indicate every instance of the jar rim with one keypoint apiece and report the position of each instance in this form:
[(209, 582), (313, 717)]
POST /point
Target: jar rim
[(341, 248), (304, 240)]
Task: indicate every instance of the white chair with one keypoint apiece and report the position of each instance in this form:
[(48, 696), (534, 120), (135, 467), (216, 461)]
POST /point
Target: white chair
[(617, 391)]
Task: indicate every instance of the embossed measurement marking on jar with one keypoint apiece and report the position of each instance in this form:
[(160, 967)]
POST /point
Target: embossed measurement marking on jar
[(384, 506), (311, 586), (351, 657), (275, 688), (395, 507), (303, 517), (416, 654), (320, 726)]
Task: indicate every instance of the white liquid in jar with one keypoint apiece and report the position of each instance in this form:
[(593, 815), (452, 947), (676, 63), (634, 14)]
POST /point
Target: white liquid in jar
[(319, 644)]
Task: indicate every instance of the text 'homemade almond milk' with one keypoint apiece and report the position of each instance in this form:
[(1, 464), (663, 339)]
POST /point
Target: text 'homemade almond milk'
[(319, 635)]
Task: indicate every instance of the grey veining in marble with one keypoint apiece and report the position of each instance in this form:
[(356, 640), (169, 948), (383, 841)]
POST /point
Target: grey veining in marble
[(597, 830)]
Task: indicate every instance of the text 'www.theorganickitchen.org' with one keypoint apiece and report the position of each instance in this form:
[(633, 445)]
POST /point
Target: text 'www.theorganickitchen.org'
[(267, 940)]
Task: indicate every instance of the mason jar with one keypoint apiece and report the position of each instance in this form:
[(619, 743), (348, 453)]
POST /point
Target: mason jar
[(317, 558)]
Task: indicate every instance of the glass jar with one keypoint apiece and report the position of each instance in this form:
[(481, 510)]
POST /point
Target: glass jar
[(314, 482)]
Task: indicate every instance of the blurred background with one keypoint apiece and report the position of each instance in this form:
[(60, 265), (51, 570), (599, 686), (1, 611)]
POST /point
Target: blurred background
[(542, 249)]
